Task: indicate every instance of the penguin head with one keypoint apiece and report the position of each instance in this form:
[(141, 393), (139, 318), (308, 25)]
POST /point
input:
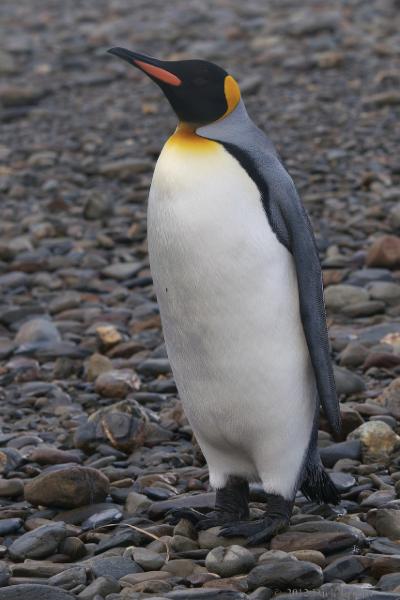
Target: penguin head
[(199, 91)]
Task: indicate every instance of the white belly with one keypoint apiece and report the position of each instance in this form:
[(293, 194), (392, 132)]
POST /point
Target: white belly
[(228, 297)]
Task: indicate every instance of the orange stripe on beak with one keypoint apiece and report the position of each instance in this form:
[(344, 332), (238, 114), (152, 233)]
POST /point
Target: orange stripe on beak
[(158, 73)]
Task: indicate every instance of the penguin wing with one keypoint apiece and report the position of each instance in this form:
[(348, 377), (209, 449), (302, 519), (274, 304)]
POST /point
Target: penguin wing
[(290, 222), (301, 244)]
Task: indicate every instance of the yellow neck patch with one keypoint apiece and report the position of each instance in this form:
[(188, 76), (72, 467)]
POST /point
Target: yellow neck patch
[(186, 139), (232, 94)]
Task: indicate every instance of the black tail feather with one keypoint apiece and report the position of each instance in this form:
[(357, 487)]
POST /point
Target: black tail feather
[(318, 486)]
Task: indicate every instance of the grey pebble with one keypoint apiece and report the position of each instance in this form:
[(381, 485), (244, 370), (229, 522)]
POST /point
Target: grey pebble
[(39, 543)]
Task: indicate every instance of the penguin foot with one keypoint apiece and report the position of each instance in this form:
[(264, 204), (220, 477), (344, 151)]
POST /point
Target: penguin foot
[(276, 519), (231, 505), (201, 521), (190, 514), (256, 532)]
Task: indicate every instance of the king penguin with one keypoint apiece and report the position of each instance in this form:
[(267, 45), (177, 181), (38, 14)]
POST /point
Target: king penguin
[(238, 282)]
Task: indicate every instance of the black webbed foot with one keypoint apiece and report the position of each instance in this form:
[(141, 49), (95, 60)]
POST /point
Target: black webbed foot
[(201, 520), (255, 532), (262, 530), (190, 514), (231, 505)]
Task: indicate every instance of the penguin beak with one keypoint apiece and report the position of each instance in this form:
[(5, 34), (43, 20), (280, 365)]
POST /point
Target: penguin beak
[(158, 70)]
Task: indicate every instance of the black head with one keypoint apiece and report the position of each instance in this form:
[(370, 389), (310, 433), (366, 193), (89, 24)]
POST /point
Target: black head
[(198, 91)]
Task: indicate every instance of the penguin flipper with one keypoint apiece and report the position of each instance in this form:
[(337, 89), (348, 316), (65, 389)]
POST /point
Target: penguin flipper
[(311, 296)]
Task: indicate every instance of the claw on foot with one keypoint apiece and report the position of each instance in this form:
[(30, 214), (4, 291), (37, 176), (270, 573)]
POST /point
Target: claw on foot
[(200, 520), (192, 515), (255, 532)]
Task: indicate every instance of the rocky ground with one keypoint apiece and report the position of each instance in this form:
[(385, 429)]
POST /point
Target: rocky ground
[(94, 447)]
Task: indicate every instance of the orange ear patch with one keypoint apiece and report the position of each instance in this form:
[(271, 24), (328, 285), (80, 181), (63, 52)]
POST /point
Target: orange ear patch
[(158, 73), (232, 93)]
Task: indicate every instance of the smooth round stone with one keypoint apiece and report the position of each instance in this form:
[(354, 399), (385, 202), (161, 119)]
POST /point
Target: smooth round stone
[(112, 566), (39, 543), (230, 561), (33, 591), (11, 488), (383, 545), (347, 382), (346, 568), (310, 556), (136, 502), (70, 578), (116, 383), (343, 481), (8, 526), (4, 575), (388, 419), (73, 547), (179, 543), (286, 573), (46, 455), (37, 330), (385, 291), (364, 309), (386, 521), (343, 450), (364, 276), (68, 488), (179, 567), (101, 586), (389, 583), (339, 296), (379, 498), (209, 538), (353, 355), (105, 517), (383, 565), (325, 536), (384, 252), (147, 559)]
